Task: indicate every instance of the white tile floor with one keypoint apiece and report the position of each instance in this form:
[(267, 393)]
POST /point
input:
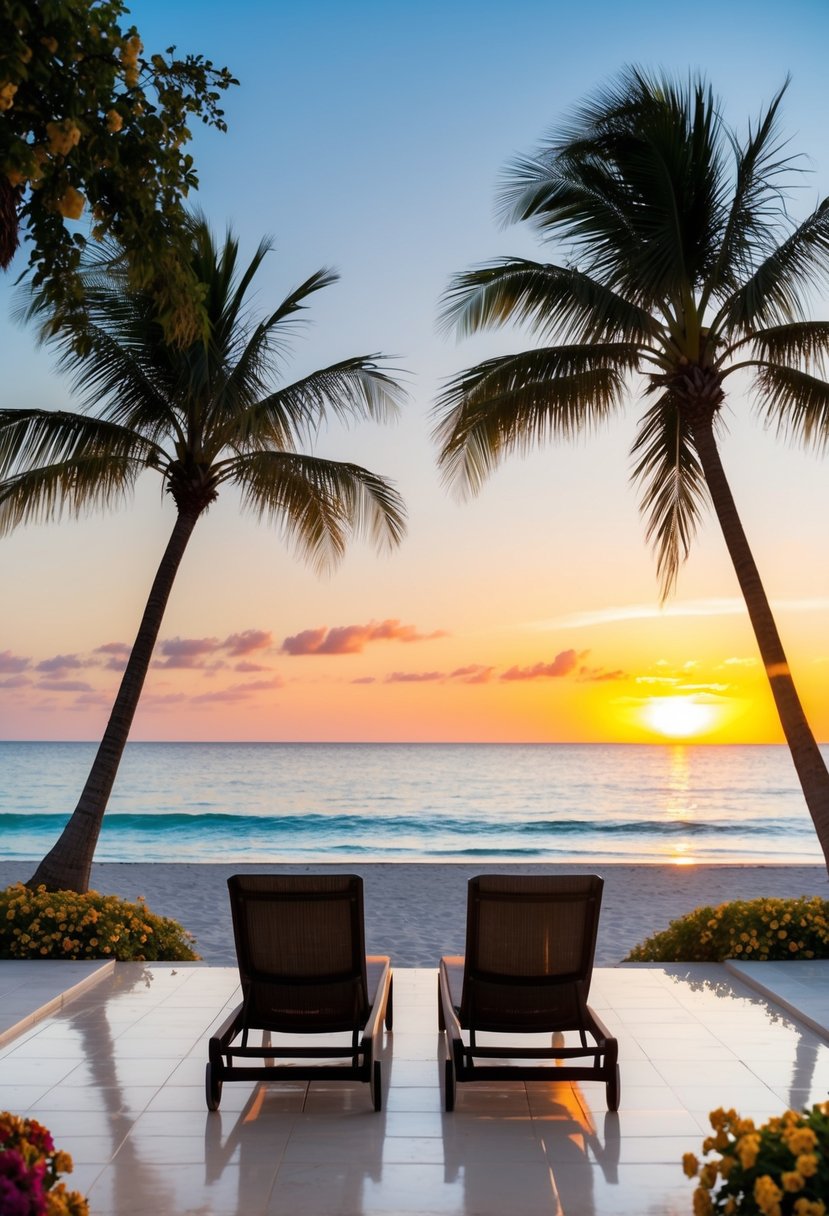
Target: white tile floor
[(117, 1075)]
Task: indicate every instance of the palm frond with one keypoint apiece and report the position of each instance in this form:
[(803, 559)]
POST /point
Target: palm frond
[(551, 300), (29, 438), (351, 389), (637, 185), (775, 293), (674, 492), (319, 504), (805, 342), (74, 486), (757, 203), (513, 402), (797, 403)]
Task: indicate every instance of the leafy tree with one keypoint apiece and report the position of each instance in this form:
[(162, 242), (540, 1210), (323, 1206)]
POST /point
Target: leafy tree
[(681, 269), (89, 125), (202, 417)]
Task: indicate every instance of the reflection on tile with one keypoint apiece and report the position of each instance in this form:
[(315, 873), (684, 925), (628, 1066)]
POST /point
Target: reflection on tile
[(118, 1076)]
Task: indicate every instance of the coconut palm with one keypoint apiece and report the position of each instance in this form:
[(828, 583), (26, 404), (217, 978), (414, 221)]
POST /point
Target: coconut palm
[(680, 270), (201, 418)]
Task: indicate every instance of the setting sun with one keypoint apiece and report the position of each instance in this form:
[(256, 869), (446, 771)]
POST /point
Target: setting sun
[(679, 717)]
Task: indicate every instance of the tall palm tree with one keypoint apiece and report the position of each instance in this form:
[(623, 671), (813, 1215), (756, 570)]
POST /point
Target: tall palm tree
[(202, 418), (681, 269)]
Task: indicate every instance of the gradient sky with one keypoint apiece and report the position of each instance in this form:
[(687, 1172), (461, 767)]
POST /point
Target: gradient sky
[(370, 136)]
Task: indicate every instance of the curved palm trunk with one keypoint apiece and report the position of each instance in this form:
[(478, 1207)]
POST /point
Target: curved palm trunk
[(67, 865), (808, 761)]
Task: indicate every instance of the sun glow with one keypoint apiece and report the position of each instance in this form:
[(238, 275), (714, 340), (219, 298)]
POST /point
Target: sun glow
[(679, 717)]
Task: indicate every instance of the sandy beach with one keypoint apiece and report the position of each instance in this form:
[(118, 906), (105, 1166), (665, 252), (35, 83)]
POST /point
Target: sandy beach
[(415, 912)]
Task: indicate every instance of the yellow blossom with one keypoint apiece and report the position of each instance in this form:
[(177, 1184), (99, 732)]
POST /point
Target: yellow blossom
[(7, 92), (114, 120), (799, 1140), (63, 137), (767, 1195), (792, 1181), (690, 1165), (807, 1165), (50, 43), (747, 1150), (702, 1202)]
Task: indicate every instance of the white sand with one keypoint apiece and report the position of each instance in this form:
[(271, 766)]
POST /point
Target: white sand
[(416, 912)]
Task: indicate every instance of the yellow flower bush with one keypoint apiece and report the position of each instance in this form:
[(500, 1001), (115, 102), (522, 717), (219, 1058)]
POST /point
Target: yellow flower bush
[(30, 1167), (64, 924), (745, 928), (778, 1169)]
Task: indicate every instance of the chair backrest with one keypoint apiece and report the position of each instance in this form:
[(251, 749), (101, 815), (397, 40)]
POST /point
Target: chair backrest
[(530, 942), (300, 945)]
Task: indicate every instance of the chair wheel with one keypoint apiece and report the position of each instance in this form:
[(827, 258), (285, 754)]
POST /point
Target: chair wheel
[(614, 1090), (212, 1087)]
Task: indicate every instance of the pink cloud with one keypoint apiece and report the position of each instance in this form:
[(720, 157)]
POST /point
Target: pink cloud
[(10, 663), (61, 662), (352, 639), (15, 682), (187, 652), (597, 675), (246, 668), (562, 665), (414, 677), (475, 673), (364, 680), (238, 692), (239, 644), (116, 653), (65, 686)]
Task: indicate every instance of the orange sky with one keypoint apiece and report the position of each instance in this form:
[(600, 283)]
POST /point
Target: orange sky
[(530, 613)]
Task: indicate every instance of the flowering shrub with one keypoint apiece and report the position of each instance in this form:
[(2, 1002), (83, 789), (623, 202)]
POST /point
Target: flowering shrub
[(64, 924), (778, 1169), (745, 928), (29, 1170)]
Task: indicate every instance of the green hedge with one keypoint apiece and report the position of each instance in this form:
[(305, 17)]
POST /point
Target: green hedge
[(743, 929), (64, 924)]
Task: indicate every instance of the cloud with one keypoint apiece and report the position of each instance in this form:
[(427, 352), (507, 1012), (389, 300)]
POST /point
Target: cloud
[(564, 664), (117, 654), (64, 686), (597, 675), (415, 677), (61, 662), (238, 692), (352, 639), (364, 680), (732, 606), (17, 681), (10, 663), (246, 668), (475, 673), (239, 644), (187, 652)]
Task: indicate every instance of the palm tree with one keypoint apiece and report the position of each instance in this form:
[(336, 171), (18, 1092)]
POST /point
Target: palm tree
[(681, 269), (201, 418)]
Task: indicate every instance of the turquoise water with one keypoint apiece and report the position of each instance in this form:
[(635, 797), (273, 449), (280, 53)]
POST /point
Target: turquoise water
[(416, 802)]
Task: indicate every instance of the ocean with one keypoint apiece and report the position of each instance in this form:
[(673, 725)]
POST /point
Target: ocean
[(296, 802)]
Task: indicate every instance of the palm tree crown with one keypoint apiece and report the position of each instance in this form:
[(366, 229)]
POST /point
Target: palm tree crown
[(682, 268), (201, 417)]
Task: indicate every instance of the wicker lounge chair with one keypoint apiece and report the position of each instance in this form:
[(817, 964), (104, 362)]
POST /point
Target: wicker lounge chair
[(301, 952), (530, 942)]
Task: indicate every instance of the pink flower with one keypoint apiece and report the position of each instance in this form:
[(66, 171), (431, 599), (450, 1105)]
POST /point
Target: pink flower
[(21, 1189)]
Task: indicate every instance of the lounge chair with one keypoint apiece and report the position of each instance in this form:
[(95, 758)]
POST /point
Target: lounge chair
[(530, 942), (300, 945)]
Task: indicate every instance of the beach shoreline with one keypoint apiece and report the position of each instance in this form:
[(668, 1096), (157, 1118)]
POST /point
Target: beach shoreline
[(415, 911)]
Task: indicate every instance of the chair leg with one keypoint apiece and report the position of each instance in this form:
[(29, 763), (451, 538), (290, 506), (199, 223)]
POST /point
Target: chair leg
[(614, 1090), (449, 1081), (390, 1007), (441, 1019), (212, 1086), (376, 1085)]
